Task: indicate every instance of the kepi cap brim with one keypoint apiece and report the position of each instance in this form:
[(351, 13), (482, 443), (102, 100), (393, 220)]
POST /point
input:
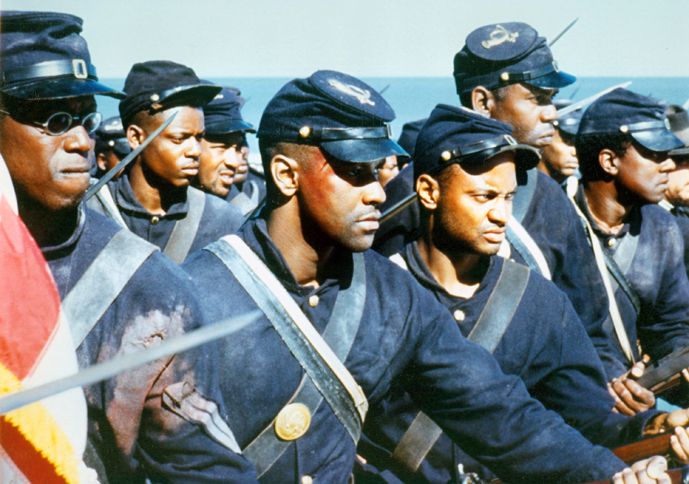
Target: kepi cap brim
[(60, 88), (553, 80), (229, 127), (658, 140), (362, 150), (526, 156)]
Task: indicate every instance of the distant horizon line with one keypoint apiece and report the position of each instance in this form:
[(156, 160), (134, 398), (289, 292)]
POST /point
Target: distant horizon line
[(423, 77)]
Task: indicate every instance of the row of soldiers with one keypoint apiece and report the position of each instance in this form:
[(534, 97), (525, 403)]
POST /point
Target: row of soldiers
[(497, 330)]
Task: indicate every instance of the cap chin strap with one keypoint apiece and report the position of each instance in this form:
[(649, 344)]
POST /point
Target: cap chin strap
[(480, 147), (503, 77), (57, 68)]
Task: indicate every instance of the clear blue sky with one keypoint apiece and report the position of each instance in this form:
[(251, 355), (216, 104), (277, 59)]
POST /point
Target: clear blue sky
[(229, 38)]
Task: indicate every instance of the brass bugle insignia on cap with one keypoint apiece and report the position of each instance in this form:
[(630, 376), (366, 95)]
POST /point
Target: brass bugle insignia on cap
[(305, 131), (292, 421), (498, 36), (446, 155), (624, 128)]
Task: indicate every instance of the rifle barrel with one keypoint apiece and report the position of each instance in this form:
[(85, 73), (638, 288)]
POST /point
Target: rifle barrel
[(398, 207)]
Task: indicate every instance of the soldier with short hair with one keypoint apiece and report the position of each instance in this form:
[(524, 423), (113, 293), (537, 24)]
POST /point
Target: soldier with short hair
[(163, 421), (333, 338), (154, 198)]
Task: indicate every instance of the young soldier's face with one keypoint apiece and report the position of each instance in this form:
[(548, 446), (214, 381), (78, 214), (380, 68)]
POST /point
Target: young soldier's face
[(560, 158), (644, 174), (242, 171), (339, 201), (219, 161), (475, 204), (530, 111), (52, 171), (173, 156)]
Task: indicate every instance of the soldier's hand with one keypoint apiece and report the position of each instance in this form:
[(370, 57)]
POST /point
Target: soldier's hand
[(680, 445), (630, 397), (647, 471)]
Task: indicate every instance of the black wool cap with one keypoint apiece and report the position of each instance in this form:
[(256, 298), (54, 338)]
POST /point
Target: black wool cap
[(341, 114), (43, 56), (223, 114), (158, 85), (458, 135), (110, 135), (410, 131), (641, 118), (507, 53)]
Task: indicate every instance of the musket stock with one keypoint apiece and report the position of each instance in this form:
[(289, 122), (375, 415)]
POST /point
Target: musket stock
[(666, 373)]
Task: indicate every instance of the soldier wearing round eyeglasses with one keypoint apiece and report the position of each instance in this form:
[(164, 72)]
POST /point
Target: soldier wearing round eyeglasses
[(140, 426)]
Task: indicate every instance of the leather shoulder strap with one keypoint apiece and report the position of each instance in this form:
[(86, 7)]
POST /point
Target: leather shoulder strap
[(318, 360), (184, 231), (613, 309), (243, 203), (104, 203), (103, 281), (524, 195), (527, 247), (339, 333), (491, 325)]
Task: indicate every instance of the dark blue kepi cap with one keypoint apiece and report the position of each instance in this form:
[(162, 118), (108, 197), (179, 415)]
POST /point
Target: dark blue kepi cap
[(341, 114), (110, 135), (498, 55), (410, 131), (625, 112), (458, 135), (43, 56), (161, 84), (223, 114)]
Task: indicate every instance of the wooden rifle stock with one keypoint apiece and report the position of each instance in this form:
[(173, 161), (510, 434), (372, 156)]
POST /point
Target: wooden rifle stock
[(643, 449), (666, 373)]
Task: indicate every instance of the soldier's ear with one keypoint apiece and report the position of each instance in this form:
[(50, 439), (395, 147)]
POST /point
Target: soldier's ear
[(428, 191), (135, 136), (609, 161), (285, 173), (482, 100), (102, 162)]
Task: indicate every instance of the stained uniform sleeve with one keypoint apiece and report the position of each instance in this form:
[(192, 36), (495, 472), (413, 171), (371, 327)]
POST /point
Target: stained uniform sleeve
[(166, 417), (462, 388)]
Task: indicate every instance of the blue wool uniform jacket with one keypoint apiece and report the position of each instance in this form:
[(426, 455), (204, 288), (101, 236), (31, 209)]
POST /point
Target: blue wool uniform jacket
[(555, 227), (135, 434), (406, 338), (544, 344), (658, 275), (681, 214), (219, 217)]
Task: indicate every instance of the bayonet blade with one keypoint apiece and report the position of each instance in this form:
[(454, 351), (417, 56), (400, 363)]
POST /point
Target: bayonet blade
[(127, 159), (586, 101), (115, 366)]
